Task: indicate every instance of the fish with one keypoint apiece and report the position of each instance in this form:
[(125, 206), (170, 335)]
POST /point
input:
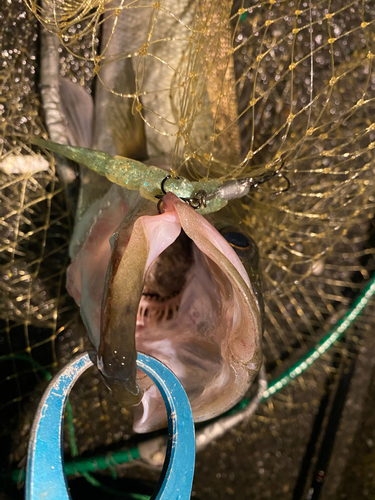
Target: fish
[(174, 287), (170, 282)]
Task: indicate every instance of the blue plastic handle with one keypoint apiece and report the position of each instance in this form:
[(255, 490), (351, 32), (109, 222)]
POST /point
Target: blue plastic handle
[(45, 476)]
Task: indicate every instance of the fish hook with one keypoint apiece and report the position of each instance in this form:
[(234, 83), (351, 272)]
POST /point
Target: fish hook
[(276, 173), (283, 176), (161, 196), (164, 180), (229, 190), (197, 201)]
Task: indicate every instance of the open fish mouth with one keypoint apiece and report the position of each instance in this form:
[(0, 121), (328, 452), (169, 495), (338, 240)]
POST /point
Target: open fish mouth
[(164, 283), (171, 286)]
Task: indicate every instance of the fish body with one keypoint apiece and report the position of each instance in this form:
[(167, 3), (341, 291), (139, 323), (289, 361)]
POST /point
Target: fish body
[(168, 284)]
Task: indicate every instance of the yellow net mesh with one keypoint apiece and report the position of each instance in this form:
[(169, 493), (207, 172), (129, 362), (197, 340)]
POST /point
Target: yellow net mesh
[(248, 84), (35, 226)]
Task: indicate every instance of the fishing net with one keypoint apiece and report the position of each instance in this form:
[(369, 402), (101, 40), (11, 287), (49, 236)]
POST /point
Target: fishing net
[(251, 85)]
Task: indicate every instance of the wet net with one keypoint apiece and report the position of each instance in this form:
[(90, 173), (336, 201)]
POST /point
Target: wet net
[(222, 90)]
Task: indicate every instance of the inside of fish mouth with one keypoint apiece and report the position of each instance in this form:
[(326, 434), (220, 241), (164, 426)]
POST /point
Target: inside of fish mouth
[(165, 280)]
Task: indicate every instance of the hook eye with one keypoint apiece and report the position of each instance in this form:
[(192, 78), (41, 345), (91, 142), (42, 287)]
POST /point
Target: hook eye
[(198, 200)]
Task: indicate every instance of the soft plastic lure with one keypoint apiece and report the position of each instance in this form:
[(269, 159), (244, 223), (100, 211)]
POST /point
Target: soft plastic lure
[(206, 196)]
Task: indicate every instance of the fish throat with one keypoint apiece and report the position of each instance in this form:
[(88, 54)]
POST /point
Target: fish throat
[(164, 283)]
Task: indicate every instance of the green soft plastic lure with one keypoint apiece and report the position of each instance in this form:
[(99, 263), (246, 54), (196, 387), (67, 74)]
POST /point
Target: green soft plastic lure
[(135, 175)]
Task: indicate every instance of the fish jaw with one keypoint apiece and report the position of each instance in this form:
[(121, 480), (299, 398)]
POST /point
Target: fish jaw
[(217, 249), (212, 342)]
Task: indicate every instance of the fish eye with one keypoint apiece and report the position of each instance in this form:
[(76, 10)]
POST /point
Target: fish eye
[(237, 240)]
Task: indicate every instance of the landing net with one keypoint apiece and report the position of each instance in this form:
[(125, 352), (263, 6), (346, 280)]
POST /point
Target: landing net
[(248, 83)]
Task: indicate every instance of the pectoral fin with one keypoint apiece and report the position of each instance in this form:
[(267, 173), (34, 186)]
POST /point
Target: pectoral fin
[(78, 109)]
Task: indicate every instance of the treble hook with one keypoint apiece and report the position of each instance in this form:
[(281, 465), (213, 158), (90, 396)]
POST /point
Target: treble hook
[(276, 173), (283, 176)]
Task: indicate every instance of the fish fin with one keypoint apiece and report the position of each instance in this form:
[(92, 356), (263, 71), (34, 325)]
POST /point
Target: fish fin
[(118, 129), (78, 109)]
